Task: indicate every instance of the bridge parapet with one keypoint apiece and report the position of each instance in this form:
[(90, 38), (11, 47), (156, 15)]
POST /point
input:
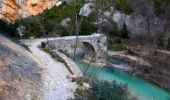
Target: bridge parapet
[(95, 46)]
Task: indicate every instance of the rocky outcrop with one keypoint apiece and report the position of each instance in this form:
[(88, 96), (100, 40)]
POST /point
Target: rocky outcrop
[(13, 9), (136, 21), (20, 73), (138, 24), (86, 10)]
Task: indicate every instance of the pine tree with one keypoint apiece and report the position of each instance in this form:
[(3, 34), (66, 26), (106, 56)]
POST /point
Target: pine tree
[(124, 31)]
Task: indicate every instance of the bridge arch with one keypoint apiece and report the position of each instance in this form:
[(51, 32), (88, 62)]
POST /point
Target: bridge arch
[(95, 46), (89, 50)]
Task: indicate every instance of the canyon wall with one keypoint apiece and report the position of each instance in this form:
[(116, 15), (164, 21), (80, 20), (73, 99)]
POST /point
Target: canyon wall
[(11, 10)]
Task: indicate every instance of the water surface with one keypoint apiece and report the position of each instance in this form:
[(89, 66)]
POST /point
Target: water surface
[(138, 87)]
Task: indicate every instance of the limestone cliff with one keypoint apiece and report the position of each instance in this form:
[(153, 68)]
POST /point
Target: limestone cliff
[(20, 72), (10, 10)]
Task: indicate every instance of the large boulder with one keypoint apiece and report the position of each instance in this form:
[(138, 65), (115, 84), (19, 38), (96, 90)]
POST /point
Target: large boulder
[(86, 10)]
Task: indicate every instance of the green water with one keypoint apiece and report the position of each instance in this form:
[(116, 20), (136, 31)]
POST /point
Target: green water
[(140, 88)]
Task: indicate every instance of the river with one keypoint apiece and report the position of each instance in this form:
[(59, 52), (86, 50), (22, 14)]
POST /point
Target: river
[(138, 87)]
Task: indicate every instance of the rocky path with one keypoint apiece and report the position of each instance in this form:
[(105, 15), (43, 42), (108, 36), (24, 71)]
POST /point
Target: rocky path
[(57, 86)]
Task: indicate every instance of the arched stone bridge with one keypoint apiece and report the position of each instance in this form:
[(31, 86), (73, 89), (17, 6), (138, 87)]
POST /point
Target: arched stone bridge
[(94, 46)]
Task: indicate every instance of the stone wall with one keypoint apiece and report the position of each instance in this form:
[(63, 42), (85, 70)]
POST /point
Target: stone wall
[(96, 43)]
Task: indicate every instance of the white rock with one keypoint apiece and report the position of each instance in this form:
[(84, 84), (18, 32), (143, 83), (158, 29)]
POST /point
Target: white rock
[(86, 85), (58, 3), (65, 22), (71, 76), (107, 14), (21, 30), (86, 10)]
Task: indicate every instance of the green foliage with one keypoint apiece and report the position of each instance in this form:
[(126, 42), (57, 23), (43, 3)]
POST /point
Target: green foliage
[(102, 90), (88, 26), (124, 6), (104, 4), (56, 14), (8, 28), (83, 94), (121, 5), (48, 22), (117, 45), (33, 26)]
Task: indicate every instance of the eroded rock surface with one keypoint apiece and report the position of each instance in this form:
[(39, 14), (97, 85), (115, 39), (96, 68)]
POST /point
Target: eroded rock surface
[(20, 73), (10, 10)]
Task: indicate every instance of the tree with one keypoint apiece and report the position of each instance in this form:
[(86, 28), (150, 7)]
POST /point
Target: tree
[(124, 31)]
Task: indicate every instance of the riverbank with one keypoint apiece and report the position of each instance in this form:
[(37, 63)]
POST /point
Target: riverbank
[(141, 67), (138, 87)]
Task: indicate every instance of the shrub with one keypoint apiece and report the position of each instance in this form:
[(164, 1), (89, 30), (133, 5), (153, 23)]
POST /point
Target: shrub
[(118, 47), (103, 90), (110, 28), (87, 27), (9, 28), (124, 6), (117, 44), (48, 22)]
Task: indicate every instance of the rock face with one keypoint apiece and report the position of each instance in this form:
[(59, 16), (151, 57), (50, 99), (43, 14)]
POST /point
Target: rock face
[(86, 10), (136, 21), (20, 76), (137, 24), (13, 9)]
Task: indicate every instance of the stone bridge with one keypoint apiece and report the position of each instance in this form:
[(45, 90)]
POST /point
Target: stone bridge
[(94, 47)]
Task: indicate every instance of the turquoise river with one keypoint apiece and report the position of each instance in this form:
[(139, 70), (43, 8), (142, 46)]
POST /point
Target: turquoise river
[(138, 87)]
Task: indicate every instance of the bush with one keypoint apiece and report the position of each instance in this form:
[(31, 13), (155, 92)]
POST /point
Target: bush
[(117, 44), (87, 27), (118, 47), (124, 6), (48, 22), (33, 26), (120, 5), (9, 28), (103, 90)]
